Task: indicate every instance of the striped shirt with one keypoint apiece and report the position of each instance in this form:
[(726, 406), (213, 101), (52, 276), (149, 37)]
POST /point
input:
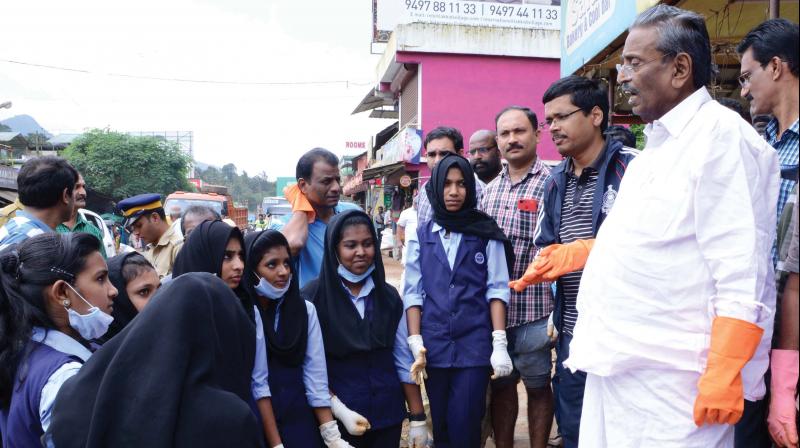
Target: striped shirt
[(501, 202), (788, 148), (576, 224), (20, 228)]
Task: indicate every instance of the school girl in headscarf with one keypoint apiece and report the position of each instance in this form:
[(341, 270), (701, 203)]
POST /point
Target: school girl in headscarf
[(177, 376), (218, 248), (455, 295), (136, 281), (365, 334), (55, 300), (298, 376)]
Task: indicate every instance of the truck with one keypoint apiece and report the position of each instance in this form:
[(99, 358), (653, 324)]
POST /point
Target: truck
[(215, 197)]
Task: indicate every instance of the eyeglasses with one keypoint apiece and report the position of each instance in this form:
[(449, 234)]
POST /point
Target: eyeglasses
[(629, 69), (481, 151), (744, 79), (558, 118)]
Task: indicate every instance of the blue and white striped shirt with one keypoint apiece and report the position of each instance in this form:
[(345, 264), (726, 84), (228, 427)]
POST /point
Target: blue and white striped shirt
[(20, 228), (788, 148)]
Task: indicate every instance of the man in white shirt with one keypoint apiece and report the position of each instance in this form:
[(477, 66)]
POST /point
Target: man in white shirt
[(675, 301)]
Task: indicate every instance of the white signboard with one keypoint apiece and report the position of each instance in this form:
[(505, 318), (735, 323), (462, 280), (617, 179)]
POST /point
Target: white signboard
[(510, 14), (584, 18)]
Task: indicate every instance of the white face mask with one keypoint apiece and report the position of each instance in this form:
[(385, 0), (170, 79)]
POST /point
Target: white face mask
[(265, 288), (91, 325), (354, 278)]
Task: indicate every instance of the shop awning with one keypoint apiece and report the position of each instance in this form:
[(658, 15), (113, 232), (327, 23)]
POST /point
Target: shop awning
[(373, 100), (381, 171)]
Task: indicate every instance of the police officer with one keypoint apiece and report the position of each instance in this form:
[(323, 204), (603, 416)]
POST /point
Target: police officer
[(145, 218)]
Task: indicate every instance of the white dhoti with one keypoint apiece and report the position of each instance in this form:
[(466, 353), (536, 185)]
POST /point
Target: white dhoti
[(646, 409)]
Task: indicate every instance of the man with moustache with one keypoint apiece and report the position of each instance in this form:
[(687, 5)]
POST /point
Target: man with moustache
[(769, 80), (484, 156), (578, 197), (77, 223), (513, 199), (674, 307)]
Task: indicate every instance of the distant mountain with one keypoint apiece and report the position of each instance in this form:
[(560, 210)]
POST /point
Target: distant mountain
[(25, 124)]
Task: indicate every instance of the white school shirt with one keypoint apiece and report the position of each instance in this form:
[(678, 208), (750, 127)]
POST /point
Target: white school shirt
[(688, 239)]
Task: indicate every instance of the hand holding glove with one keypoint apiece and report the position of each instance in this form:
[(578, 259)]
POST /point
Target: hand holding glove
[(331, 435), (552, 332), (417, 435), (501, 362), (299, 201), (353, 422), (782, 413), (417, 370), (556, 260), (720, 395), (532, 276)]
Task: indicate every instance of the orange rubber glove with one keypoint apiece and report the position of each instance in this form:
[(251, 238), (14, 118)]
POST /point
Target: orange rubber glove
[(554, 261), (299, 201), (531, 276), (720, 396)]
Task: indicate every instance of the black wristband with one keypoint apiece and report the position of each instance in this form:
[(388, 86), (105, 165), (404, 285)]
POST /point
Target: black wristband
[(417, 417)]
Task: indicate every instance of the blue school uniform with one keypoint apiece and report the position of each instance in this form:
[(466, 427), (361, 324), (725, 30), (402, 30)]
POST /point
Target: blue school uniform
[(298, 389), (370, 382), (453, 277), (54, 357)]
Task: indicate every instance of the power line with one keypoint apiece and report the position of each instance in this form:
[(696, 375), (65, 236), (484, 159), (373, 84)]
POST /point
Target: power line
[(347, 83)]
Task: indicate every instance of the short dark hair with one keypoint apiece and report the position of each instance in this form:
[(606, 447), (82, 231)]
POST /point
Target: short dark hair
[(305, 166), (775, 37), (446, 132), (681, 31), (199, 210), (135, 265), (621, 134), (735, 106), (41, 181), (583, 92), (528, 113)]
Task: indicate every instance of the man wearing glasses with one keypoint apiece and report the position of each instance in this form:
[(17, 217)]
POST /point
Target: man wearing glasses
[(578, 197), (484, 155), (674, 306), (769, 80)]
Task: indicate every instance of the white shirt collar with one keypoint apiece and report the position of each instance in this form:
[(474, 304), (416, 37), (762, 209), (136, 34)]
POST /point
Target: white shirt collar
[(369, 285), (679, 116), (61, 342)]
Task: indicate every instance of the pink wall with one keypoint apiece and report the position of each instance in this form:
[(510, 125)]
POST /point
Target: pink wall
[(467, 91)]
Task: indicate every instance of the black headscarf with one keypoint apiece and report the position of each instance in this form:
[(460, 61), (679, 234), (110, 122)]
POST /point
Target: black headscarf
[(124, 311), (290, 347), (469, 220), (204, 251), (177, 376), (343, 329)]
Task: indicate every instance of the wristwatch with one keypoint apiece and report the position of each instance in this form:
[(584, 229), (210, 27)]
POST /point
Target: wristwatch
[(417, 417)]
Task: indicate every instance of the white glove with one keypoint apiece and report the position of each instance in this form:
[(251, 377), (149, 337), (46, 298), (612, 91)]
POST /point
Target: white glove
[(501, 362), (417, 371), (552, 333), (353, 422), (331, 435), (417, 435), (278, 446)]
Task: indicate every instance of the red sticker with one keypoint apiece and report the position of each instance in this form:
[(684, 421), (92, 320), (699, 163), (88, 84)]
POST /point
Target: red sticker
[(528, 205)]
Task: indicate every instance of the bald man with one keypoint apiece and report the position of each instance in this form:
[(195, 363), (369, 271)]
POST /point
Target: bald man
[(484, 155)]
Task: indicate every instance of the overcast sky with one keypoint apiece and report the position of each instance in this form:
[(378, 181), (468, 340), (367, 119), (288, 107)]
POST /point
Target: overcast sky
[(257, 127)]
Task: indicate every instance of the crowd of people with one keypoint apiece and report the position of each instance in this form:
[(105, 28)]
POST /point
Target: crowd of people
[(666, 281)]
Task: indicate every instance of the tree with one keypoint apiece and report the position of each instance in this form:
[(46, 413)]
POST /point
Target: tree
[(119, 165), (243, 188)]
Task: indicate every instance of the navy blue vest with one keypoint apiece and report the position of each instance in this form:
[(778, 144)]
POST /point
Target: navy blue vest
[(20, 425), (367, 383), (297, 424), (456, 325)]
